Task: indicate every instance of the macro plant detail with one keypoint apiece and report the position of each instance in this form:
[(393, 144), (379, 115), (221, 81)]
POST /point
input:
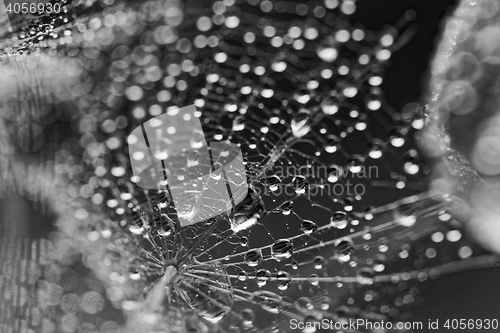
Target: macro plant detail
[(337, 188)]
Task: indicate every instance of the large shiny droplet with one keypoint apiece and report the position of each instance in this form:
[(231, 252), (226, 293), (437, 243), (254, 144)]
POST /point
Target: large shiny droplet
[(239, 123), (197, 139), (301, 124), (286, 208), (308, 227), (262, 276), (318, 262), (300, 184), (217, 171), (406, 215), (303, 96), (365, 276), (253, 257), (164, 226), (329, 107), (210, 294), (398, 136), (242, 276), (248, 212), (282, 249), (332, 143), (343, 250), (193, 158), (339, 220), (313, 279), (327, 53), (356, 163), (274, 183), (377, 147), (284, 280)]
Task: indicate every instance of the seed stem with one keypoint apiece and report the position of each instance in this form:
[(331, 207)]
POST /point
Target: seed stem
[(157, 294)]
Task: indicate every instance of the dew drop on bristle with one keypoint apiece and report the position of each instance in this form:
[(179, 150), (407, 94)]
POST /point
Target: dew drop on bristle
[(248, 212), (283, 280), (262, 277), (339, 220), (301, 124), (308, 226), (300, 184), (253, 258), (282, 249)]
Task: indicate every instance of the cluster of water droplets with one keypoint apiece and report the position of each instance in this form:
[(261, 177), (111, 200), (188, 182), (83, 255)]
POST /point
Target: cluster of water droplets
[(335, 183)]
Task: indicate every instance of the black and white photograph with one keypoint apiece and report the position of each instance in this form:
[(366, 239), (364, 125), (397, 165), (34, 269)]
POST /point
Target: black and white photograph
[(249, 166)]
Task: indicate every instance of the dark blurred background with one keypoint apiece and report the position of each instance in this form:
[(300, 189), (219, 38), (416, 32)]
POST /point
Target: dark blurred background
[(465, 295)]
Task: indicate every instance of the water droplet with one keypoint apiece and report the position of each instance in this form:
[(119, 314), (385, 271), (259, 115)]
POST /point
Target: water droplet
[(193, 158), (135, 275), (244, 241), (248, 212), (248, 317), (327, 53), (376, 148), (325, 302), (378, 264), (344, 247), (197, 139), (301, 124), (164, 226), (273, 183), (231, 106), (314, 279), (136, 229), (339, 220), (302, 96), (284, 280), (412, 162), (300, 184), (239, 123), (318, 262), (262, 276), (397, 136), (332, 143), (253, 258), (365, 276), (356, 163), (406, 219), (242, 276), (252, 142), (217, 171), (282, 249), (286, 208), (329, 107), (348, 202), (308, 226)]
